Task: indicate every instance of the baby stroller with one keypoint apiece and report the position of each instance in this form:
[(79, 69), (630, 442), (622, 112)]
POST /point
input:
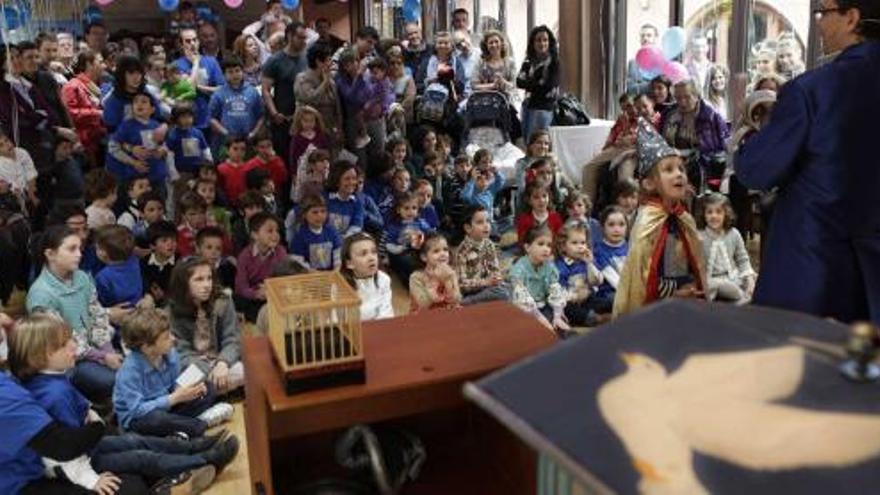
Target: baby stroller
[(487, 109), (433, 104)]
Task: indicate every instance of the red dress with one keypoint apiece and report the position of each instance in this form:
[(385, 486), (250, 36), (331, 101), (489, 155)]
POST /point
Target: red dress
[(526, 221)]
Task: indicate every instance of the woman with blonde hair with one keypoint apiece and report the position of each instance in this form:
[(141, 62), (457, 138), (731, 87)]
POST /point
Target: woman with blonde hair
[(253, 54), (495, 71), (403, 84)]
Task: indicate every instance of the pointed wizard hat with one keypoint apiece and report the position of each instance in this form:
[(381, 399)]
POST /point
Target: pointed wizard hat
[(651, 147)]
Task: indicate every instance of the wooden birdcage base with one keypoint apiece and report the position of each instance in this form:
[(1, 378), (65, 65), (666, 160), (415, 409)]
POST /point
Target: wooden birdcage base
[(332, 376), (321, 376)]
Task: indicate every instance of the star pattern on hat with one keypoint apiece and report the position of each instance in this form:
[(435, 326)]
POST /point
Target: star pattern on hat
[(651, 147)]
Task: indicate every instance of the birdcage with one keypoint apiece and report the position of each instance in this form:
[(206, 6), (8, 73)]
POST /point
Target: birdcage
[(315, 330)]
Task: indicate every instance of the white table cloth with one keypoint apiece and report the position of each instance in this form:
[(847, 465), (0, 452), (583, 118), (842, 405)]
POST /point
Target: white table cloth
[(574, 146)]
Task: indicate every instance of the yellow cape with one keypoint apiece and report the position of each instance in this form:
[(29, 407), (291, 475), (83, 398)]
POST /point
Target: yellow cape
[(632, 291)]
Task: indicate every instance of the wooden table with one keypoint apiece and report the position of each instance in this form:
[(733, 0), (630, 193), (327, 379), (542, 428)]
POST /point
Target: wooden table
[(416, 364)]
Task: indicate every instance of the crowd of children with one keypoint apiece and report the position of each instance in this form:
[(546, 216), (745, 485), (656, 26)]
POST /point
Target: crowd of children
[(145, 275)]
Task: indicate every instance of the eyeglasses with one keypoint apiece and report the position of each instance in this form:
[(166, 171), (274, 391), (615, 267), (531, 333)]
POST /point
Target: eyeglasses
[(818, 14)]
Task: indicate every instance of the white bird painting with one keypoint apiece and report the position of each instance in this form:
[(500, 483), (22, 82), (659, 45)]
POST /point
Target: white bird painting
[(726, 405)]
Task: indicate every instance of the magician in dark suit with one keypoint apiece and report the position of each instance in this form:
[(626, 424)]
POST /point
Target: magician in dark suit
[(822, 150)]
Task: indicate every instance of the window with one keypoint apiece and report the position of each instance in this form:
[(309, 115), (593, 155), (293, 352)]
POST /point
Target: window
[(643, 24), (707, 25), (547, 13), (778, 37), (517, 28)]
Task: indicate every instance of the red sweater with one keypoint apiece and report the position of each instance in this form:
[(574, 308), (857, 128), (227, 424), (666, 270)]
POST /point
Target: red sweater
[(232, 177), (275, 167), (525, 221), (82, 97)]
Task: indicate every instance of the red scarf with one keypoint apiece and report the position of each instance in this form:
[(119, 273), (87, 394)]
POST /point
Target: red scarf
[(653, 285)]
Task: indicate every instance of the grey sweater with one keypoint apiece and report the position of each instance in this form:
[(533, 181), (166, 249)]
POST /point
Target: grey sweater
[(223, 322)]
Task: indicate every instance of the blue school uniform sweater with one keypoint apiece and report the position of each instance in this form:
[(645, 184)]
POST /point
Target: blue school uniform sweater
[(140, 388), (190, 148), (117, 109), (398, 231), (211, 75), (58, 397), (133, 132), (345, 215), (609, 261), (21, 418), (237, 109), (429, 215), (320, 250), (572, 273), (120, 283)]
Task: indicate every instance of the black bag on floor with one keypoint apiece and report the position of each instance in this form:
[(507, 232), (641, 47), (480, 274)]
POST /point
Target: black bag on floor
[(570, 111)]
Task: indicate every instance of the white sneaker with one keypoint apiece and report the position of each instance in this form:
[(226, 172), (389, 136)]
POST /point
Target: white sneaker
[(218, 413)]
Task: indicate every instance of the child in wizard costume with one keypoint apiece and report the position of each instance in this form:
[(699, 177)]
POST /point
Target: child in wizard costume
[(665, 257)]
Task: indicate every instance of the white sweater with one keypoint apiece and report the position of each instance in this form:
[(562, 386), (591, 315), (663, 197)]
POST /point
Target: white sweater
[(375, 294)]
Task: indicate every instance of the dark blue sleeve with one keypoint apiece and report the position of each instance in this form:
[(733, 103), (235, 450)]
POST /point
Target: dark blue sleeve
[(21, 418), (357, 214), (769, 157), (104, 287), (203, 143), (113, 110), (215, 106), (298, 245), (62, 405)]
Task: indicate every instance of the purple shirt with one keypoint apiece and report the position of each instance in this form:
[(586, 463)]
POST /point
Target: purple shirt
[(254, 268)]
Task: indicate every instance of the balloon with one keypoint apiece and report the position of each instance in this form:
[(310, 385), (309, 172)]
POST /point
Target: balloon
[(168, 5), (676, 72), (290, 4), (650, 58), (233, 4), (673, 42), (103, 3), (412, 10), (13, 19)]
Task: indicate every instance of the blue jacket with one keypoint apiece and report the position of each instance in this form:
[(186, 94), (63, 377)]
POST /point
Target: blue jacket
[(211, 76), (237, 109), (57, 395), (21, 418), (820, 149), (120, 283), (140, 388)]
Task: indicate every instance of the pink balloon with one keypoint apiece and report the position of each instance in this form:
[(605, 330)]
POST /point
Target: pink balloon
[(233, 4), (103, 3), (650, 58), (676, 72)]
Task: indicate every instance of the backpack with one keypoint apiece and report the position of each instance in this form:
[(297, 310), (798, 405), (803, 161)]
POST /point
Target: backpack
[(432, 107), (570, 111)]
